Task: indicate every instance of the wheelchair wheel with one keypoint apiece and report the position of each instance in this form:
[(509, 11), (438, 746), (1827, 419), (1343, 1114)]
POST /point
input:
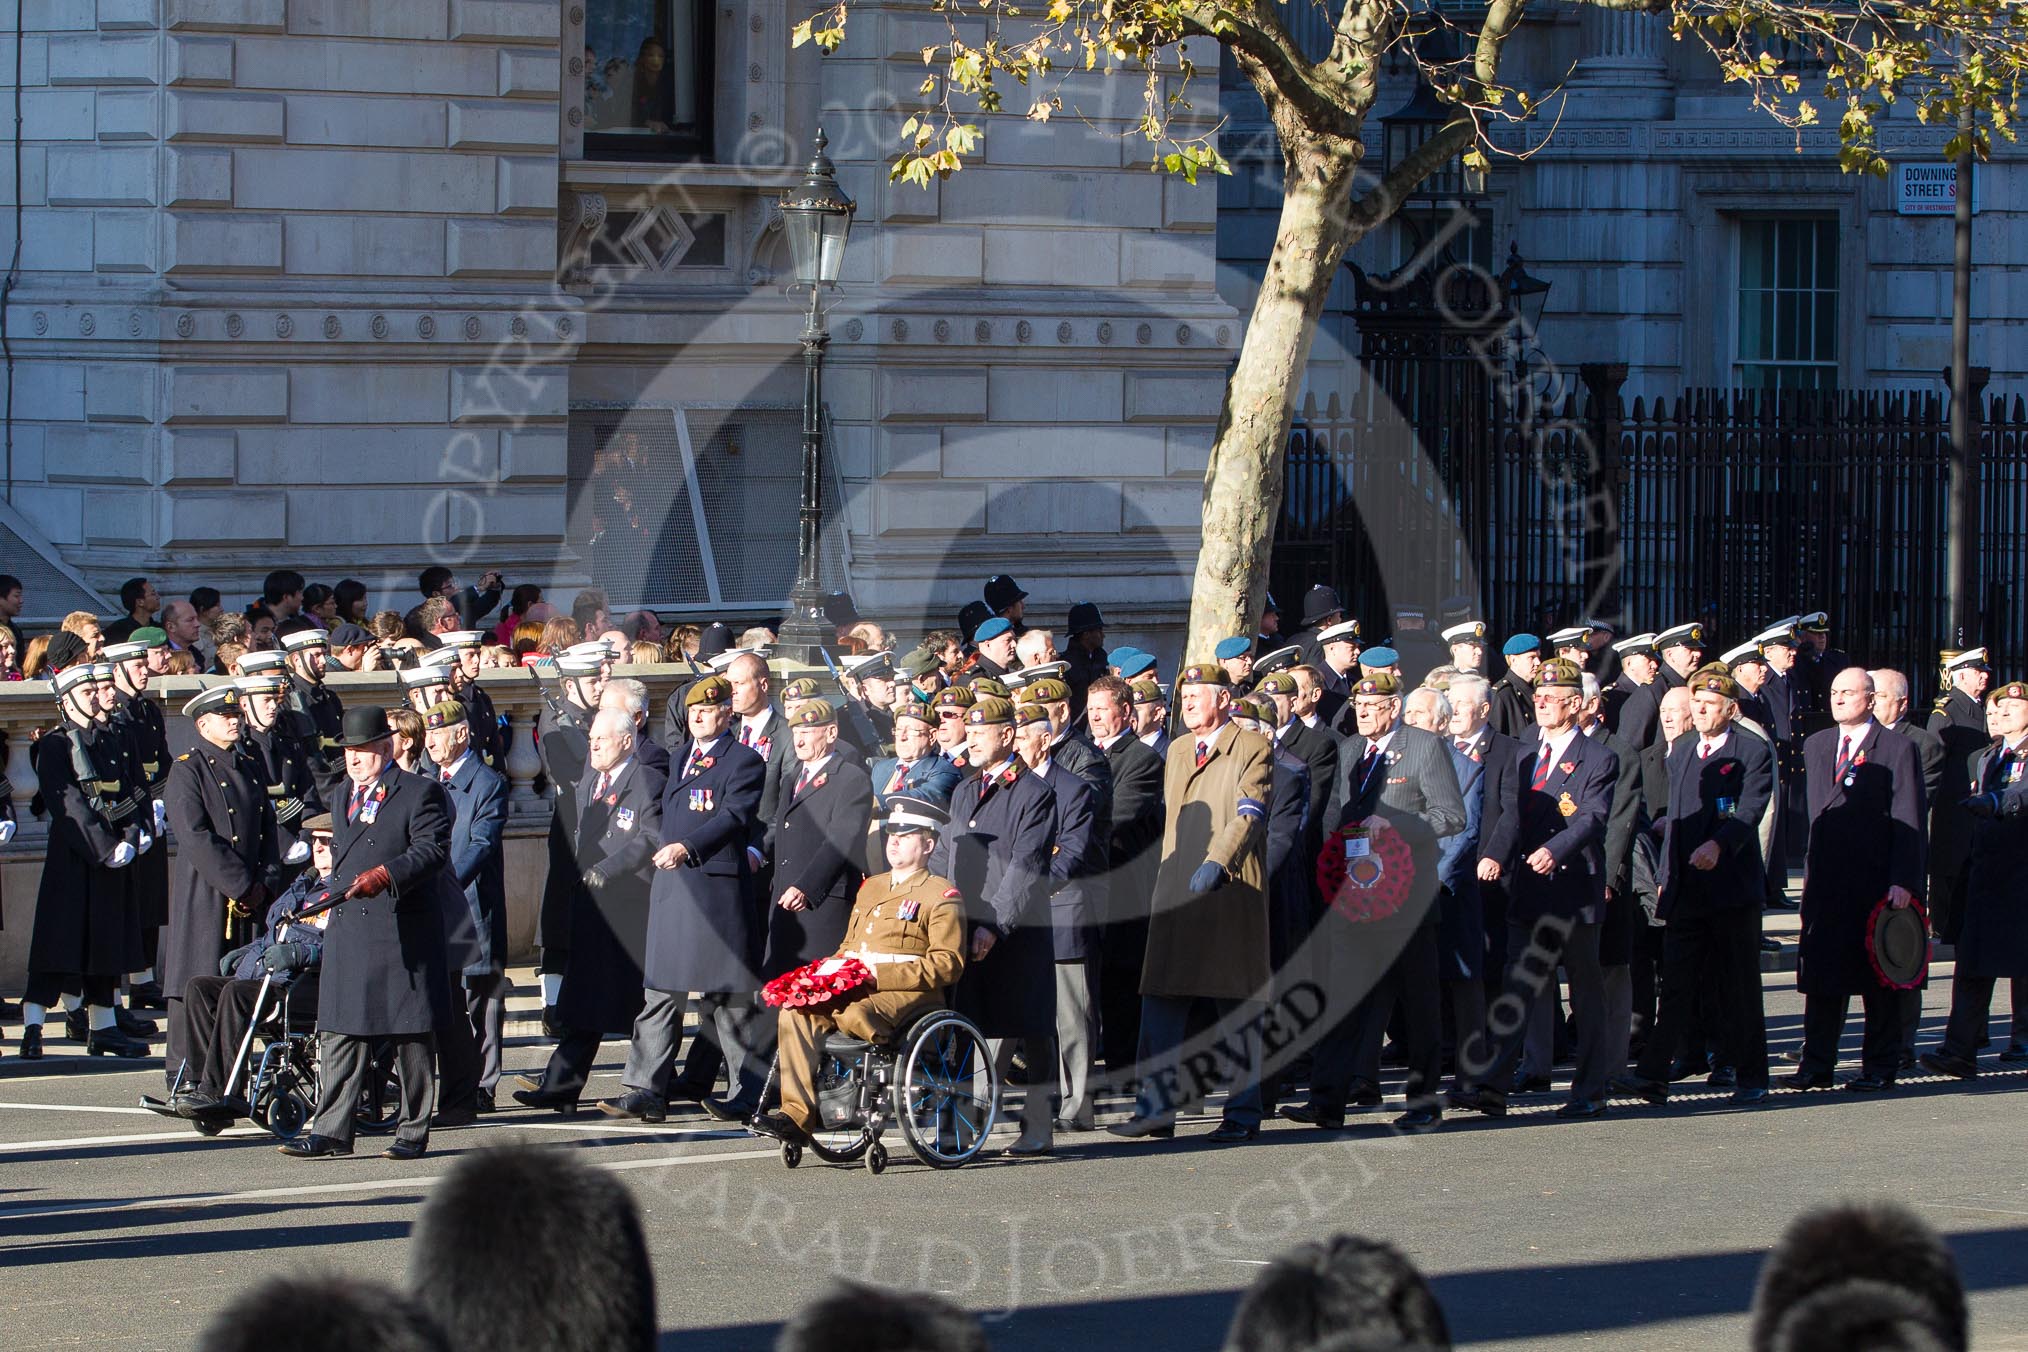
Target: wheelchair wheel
[(946, 1095), (287, 1114), (792, 1155), (876, 1158), (208, 1126)]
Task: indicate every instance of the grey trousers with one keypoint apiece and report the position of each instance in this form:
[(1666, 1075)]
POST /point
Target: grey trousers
[(1038, 1101), (343, 1064), (486, 1007), (741, 1028), (1076, 1030), (1577, 954)]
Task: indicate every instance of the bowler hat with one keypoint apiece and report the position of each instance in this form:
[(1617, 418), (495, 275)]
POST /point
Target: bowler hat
[(1897, 944), (364, 725)]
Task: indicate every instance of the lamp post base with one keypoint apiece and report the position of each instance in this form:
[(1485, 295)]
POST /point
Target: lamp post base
[(805, 629)]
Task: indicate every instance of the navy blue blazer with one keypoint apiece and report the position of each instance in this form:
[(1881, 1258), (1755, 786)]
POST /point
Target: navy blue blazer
[(707, 921), (1076, 865), (1567, 816), (933, 775), (478, 797)]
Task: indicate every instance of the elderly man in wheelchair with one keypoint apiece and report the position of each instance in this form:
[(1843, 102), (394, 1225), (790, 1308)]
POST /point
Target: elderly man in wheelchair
[(257, 984), (888, 1050)]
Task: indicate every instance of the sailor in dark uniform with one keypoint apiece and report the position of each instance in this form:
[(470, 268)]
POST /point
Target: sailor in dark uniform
[(461, 648), (145, 655), (314, 709), (1467, 642), (1632, 703)]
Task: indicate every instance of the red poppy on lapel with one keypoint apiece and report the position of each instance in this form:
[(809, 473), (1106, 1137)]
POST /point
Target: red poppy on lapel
[(818, 782), (1728, 767), (706, 762), (1859, 757), (1011, 774), (1568, 767), (612, 799)]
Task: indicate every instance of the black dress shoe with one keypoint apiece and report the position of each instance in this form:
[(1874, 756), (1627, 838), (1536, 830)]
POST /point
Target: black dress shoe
[(726, 1110), (482, 1102), (196, 1103), (400, 1149), (76, 1026), (1770, 945), (2016, 1053), (1031, 1147), (1064, 1126), (637, 1104), (1478, 1100), (1868, 1083), (537, 1098), (148, 995), (552, 1027), (133, 1024), (532, 1083), (113, 1042), (1686, 1068), (1747, 1095), (1231, 1133), (9, 1012), (1139, 1128), (1809, 1079), (31, 1042), (1907, 1062), (453, 1117), (1531, 1084), (1948, 1063), (1634, 1086), (1418, 1120), (1363, 1094), (1582, 1110), (780, 1126), (315, 1148), (1723, 1077), (1315, 1115), (680, 1092)]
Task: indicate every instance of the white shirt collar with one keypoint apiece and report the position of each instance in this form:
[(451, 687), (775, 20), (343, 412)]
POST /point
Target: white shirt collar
[(451, 771), (1560, 743), (1149, 738)]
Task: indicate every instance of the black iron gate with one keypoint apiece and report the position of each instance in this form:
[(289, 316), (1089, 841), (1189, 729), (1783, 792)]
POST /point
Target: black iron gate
[(1733, 507)]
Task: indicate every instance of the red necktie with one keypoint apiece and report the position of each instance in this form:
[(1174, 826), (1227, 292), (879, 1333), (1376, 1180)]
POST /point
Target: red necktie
[(447, 776), (802, 781), (1542, 768), (900, 774), (745, 735), (1203, 755), (358, 797), (1704, 751), (1844, 758), (599, 790)]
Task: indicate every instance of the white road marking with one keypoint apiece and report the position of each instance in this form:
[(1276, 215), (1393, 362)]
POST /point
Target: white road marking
[(195, 1202), (187, 1138), (75, 1108)]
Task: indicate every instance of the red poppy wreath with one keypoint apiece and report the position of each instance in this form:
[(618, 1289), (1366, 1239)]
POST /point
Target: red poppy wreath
[(1366, 873), (817, 983)]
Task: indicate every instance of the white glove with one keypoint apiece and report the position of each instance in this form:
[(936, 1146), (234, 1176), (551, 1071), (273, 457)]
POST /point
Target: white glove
[(298, 852), (161, 818), (123, 855), (6, 832), (147, 843)]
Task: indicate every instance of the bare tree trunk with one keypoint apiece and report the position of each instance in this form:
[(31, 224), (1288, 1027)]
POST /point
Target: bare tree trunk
[(1243, 484)]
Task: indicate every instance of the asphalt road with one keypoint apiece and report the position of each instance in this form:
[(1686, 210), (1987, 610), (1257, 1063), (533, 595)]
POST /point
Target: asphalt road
[(119, 1229)]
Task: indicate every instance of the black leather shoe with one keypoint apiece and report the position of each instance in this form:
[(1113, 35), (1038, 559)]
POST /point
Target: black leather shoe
[(1687, 1068), (113, 1042), (1027, 1147), (1063, 1126), (1748, 1095), (76, 1026), (1139, 1128), (400, 1149), (1582, 1110), (1315, 1115), (195, 1103), (552, 1027), (1531, 1084), (1770, 945), (1482, 1100), (1418, 1120), (482, 1102), (1722, 1077), (1907, 1062), (780, 1126), (315, 1148), (2016, 1053), (725, 1109), (1808, 1079), (679, 1092), (133, 1024), (453, 1117), (31, 1042), (1946, 1063), (637, 1104), (147, 996), (536, 1098), (1364, 1094), (1231, 1133), (1634, 1086), (1868, 1083)]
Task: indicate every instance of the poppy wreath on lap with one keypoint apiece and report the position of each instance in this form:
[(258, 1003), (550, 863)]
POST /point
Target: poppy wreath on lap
[(817, 983), (1366, 873)]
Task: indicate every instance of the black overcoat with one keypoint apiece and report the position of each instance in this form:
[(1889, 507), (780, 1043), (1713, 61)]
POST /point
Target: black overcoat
[(227, 842), (617, 834), (384, 965), (997, 853), (1865, 836), (707, 926), (1993, 940), (819, 841), (86, 922)]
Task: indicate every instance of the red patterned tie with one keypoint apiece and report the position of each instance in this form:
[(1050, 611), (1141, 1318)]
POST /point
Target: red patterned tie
[(900, 774), (1844, 758), (1542, 769), (1203, 755)]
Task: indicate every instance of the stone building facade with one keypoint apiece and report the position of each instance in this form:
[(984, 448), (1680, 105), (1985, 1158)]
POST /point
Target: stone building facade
[(360, 285)]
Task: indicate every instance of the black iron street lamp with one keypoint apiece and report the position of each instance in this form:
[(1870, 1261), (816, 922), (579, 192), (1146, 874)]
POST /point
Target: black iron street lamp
[(1525, 295), (817, 218)]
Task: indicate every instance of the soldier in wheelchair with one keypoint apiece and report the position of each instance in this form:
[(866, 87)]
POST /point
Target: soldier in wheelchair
[(840, 1062)]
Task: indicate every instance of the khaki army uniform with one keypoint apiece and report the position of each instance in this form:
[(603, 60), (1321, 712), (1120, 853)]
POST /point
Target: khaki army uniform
[(911, 935)]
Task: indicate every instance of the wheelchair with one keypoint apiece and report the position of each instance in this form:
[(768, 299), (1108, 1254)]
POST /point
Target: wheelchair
[(934, 1081), (281, 1081)]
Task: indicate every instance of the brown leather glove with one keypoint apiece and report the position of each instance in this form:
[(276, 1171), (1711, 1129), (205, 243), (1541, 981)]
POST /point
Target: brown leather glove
[(370, 883)]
